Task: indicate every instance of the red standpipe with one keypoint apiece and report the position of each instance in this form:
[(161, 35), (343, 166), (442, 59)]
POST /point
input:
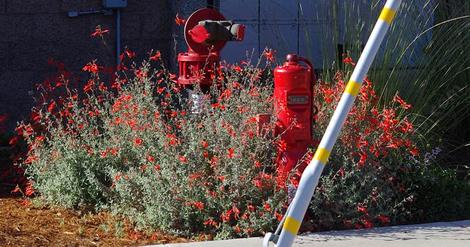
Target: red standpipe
[(293, 104)]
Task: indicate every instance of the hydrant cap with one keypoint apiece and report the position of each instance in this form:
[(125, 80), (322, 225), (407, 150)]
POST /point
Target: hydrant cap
[(292, 58)]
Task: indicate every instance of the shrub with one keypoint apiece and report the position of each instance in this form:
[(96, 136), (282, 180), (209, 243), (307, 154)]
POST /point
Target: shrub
[(10, 175), (365, 182), (377, 175), (189, 162), (137, 147)]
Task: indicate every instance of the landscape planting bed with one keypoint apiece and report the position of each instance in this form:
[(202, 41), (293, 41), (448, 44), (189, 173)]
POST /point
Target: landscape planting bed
[(28, 225)]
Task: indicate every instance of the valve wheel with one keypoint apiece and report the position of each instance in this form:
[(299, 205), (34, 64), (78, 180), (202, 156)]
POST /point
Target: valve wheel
[(193, 20)]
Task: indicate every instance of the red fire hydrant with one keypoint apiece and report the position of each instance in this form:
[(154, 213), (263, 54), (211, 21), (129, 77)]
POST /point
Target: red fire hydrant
[(206, 31), (293, 104)]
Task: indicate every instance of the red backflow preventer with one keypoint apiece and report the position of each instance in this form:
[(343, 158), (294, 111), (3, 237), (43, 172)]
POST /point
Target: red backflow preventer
[(293, 104)]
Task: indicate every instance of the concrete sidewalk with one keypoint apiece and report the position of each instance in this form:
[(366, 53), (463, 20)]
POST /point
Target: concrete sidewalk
[(441, 234)]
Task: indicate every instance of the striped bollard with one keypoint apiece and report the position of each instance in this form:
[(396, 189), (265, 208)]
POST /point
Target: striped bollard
[(311, 175)]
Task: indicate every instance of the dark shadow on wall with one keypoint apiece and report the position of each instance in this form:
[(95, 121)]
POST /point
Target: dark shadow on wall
[(33, 32)]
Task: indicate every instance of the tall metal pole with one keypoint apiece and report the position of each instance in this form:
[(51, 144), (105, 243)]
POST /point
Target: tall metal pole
[(118, 38), (311, 175)]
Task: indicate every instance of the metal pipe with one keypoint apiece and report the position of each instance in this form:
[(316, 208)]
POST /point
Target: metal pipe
[(311, 175), (118, 37)]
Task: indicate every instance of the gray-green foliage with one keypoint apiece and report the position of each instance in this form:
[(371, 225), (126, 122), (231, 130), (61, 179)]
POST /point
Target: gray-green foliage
[(139, 151)]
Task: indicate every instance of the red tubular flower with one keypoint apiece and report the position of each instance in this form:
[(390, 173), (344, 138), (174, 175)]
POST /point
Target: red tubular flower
[(210, 222), (156, 56), (362, 209), (160, 90), (31, 159), (150, 158), (99, 32), (51, 107), (230, 153), (204, 144), (14, 140), (367, 223), (225, 217), (29, 191), (89, 86), (258, 183), (129, 53), (362, 159), (267, 207), (218, 106), (113, 151), (91, 67), (394, 144), (198, 205), (414, 151), (183, 159), (172, 139), (173, 114), (102, 87), (35, 117), (236, 85), (278, 216), (348, 60), (25, 202), (402, 103), (406, 126), (237, 68), (179, 21), (383, 219), (221, 178), (225, 94), (269, 54), (236, 212), (138, 141)]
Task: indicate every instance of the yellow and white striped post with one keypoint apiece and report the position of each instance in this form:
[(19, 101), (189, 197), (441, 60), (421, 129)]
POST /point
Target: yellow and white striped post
[(311, 175)]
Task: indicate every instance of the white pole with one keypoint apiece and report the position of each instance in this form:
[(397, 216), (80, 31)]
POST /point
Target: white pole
[(311, 175)]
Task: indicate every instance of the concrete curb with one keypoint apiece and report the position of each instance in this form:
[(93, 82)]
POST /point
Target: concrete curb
[(449, 234)]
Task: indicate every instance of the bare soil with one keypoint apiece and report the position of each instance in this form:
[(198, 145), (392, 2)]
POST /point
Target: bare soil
[(23, 223)]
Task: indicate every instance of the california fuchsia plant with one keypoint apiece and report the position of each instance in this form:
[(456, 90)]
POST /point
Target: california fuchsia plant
[(142, 148), (367, 180), (200, 162)]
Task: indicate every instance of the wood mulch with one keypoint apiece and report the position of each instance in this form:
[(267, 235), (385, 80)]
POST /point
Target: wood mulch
[(23, 223)]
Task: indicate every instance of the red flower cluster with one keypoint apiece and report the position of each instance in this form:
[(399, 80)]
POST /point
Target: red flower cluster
[(99, 32), (269, 54), (369, 133)]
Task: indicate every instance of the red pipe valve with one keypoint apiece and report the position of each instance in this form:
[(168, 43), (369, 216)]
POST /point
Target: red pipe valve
[(206, 32), (209, 32)]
